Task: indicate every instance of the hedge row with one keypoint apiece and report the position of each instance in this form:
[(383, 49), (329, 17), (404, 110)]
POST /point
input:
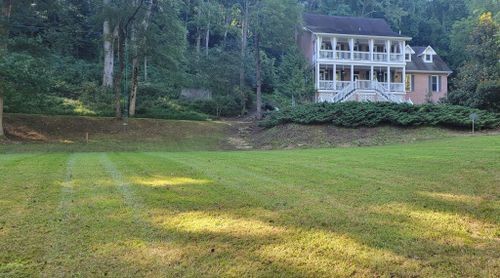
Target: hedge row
[(357, 114)]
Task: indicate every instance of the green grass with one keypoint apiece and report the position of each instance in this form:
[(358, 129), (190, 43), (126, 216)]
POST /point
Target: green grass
[(425, 209)]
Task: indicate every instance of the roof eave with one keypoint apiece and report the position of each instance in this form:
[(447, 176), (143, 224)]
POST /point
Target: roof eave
[(430, 71), (361, 36)]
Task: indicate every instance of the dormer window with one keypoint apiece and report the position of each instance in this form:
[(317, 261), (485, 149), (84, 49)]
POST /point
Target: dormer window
[(408, 52), (428, 55)]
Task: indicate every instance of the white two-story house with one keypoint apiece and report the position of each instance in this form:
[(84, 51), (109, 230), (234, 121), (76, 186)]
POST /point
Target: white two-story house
[(356, 59)]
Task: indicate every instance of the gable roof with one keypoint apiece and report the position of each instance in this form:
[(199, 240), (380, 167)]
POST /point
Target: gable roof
[(348, 25), (417, 63)]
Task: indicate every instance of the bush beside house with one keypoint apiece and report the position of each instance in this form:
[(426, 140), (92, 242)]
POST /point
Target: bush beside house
[(353, 115)]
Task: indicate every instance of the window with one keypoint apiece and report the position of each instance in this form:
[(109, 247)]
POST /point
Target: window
[(435, 83), (408, 57), (428, 58), (410, 83)]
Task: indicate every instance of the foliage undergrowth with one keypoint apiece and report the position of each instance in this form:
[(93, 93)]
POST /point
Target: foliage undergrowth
[(353, 115)]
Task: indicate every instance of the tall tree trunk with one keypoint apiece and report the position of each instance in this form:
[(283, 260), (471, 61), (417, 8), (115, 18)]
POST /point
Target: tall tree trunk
[(118, 76), (244, 36), (135, 74), (4, 35), (135, 59), (109, 55), (2, 133), (198, 42), (207, 39), (145, 68), (258, 78), (135, 86)]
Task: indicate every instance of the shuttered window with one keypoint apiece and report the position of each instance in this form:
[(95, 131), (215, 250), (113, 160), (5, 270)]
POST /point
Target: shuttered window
[(410, 83)]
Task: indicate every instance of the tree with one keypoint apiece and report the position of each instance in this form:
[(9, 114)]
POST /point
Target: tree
[(481, 65), (4, 34), (108, 37), (273, 24), (138, 40)]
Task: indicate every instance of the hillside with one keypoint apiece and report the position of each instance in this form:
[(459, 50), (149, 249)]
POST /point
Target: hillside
[(68, 133)]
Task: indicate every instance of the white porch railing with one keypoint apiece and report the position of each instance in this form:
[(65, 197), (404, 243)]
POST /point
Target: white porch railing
[(330, 85), (342, 84), (326, 54), (327, 85), (362, 87), (361, 56), (394, 87), (379, 57), (397, 57), (343, 55)]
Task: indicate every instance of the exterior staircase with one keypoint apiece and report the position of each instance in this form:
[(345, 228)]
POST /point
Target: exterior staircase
[(366, 86)]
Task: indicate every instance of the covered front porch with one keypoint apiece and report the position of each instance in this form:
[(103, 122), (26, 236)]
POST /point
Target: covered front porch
[(335, 78)]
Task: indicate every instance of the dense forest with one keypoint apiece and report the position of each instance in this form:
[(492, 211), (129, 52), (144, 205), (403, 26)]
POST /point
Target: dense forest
[(133, 57)]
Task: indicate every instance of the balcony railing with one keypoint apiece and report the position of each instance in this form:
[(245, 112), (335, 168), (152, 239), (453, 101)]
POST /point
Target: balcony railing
[(394, 87), (397, 57), (359, 56), (343, 55), (379, 57), (330, 85)]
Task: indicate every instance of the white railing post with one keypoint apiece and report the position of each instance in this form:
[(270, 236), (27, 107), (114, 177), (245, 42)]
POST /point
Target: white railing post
[(334, 47), (371, 49), (351, 47), (389, 78), (388, 50), (334, 77)]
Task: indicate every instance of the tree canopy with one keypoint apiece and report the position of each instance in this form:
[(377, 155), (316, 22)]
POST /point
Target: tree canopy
[(242, 51)]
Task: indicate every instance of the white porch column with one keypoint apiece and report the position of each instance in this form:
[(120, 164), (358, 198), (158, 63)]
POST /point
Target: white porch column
[(320, 41), (388, 48), (334, 47), (335, 77), (371, 73), (351, 47), (352, 73), (317, 75), (404, 78), (389, 78), (372, 43)]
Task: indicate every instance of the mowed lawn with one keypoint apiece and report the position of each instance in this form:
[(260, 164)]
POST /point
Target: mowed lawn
[(425, 209)]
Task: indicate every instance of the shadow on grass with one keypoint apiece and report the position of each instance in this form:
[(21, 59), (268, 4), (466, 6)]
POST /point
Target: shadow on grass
[(265, 235)]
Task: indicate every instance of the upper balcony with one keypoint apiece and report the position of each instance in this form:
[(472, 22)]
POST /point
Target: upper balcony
[(360, 50)]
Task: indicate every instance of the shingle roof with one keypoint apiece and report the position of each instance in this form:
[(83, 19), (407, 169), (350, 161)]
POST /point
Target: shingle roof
[(417, 62), (348, 25)]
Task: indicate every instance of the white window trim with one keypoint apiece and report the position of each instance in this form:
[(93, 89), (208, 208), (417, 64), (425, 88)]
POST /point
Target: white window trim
[(409, 57), (428, 60), (437, 83)]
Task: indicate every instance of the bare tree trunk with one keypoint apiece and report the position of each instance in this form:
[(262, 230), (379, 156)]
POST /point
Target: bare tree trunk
[(145, 68), (244, 36), (135, 74), (135, 86), (4, 34), (207, 39), (258, 78), (198, 42), (2, 133), (109, 55), (135, 59), (118, 76)]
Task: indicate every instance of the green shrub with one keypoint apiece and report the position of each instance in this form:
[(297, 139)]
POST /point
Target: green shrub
[(225, 106), (165, 108), (356, 114)]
